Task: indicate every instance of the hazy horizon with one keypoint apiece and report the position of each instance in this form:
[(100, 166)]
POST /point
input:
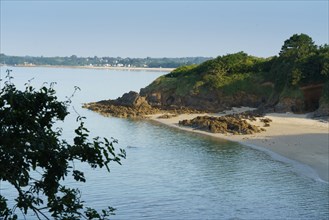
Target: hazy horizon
[(157, 29), (27, 55)]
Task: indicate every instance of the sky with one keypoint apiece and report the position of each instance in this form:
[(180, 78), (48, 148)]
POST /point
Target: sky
[(157, 28)]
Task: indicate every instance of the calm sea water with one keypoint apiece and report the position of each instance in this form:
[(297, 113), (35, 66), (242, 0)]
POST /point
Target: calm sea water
[(172, 174)]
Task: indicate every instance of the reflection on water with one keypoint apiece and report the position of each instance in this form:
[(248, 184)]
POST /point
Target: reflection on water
[(172, 174)]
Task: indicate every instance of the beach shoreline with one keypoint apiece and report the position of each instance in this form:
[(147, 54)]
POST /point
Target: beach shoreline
[(101, 68), (294, 139)]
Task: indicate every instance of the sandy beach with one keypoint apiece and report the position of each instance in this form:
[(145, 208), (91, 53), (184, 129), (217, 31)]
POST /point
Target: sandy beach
[(291, 138)]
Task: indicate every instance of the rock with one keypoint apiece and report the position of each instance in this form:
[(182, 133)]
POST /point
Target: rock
[(154, 99), (266, 125), (289, 105), (169, 96), (131, 99), (132, 105), (323, 110), (167, 116), (312, 94), (265, 120), (224, 124)]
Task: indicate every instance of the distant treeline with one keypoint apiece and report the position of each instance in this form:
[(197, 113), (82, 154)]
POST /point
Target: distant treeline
[(101, 61)]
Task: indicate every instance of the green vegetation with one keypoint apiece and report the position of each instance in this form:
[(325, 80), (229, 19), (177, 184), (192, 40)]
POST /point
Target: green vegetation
[(101, 61), (230, 74), (36, 161), (300, 63)]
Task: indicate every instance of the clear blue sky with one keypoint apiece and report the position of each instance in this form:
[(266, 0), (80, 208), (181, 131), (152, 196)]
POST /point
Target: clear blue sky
[(157, 28)]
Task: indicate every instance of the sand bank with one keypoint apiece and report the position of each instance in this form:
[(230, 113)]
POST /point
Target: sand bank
[(103, 68), (293, 138)]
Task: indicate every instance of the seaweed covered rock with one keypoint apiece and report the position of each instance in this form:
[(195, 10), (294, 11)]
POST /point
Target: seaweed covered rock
[(130, 105), (133, 105), (224, 124)]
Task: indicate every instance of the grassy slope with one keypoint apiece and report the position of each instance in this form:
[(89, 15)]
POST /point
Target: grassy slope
[(228, 75)]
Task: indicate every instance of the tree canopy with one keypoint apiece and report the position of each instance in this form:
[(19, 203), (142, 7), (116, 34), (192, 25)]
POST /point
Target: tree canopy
[(29, 143), (298, 46), (300, 62)]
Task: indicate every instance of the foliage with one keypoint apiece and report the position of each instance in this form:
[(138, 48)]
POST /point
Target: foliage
[(244, 82), (230, 64), (291, 92), (183, 70), (35, 160), (300, 63), (162, 83), (226, 73), (297, 47)]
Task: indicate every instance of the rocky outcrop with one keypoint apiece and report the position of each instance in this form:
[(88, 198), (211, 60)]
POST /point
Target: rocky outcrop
[(322, 111), (133, 105), (130, 105), (312, 95), (131, 99), (154, 99), (289, 105), (225, 124), (108, 109), (323, 102), (209, 102), (308, 100)]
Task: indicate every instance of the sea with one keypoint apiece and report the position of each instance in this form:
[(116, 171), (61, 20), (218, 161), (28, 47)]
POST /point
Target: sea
[(169, 173)]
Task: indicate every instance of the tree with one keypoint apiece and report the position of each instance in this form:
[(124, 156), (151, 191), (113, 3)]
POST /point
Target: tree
[(30, 143), (298, 46), (291, 66)]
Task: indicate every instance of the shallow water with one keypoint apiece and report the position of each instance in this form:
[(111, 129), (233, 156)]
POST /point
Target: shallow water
[(172, 174)]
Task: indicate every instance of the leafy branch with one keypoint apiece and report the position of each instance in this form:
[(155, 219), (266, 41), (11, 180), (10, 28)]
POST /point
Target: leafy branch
[(28, 142)]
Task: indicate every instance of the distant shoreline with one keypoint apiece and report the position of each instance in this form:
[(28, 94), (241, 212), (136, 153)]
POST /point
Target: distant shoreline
[(100, 67)]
